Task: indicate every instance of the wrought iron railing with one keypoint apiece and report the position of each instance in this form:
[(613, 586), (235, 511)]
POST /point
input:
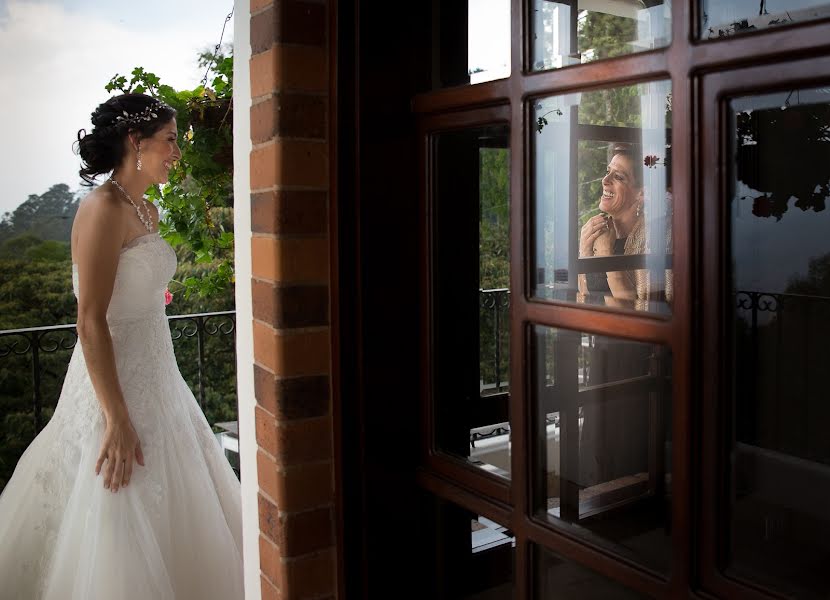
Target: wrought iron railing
[(779, 343), (199, 326), (494, 340), (37, 343), (760, 307), (494, 327)]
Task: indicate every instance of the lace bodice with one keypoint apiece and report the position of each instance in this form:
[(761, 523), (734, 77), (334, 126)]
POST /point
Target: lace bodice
[(145, 267)]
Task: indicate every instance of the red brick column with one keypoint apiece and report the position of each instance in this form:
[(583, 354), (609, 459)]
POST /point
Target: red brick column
[(291, 277)]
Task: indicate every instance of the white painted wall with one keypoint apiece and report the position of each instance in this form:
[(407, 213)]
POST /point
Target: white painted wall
[(244, 311)]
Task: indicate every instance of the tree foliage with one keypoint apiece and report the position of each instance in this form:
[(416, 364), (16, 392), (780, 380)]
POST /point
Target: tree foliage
[(494, 218), (47, 216), (494, 261), (603, 35), (817, 280)]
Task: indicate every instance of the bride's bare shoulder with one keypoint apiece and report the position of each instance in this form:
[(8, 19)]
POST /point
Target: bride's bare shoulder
[(100, 199), (100, 207), (100, 213)]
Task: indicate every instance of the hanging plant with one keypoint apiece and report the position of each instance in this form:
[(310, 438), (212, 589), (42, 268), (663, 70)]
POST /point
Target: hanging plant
[(779, 175)]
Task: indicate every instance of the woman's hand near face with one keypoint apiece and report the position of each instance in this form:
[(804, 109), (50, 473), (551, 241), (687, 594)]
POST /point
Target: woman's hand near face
[(596, 237)]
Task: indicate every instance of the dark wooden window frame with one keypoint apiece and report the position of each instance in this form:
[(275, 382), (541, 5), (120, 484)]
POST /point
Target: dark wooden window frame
[(717, 426), (695, 68), (452, 467)]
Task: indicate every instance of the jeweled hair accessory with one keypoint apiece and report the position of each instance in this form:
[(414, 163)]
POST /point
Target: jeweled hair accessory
[(148, 114)]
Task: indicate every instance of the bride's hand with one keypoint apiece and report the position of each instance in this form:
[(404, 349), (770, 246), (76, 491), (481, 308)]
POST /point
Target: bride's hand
[(120, 447)]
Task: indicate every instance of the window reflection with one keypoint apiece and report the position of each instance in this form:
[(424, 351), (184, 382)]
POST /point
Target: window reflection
[(570, 32), (471, 42), (602, 197), (780, 454), (725, 18), (474, 556), (603, 414), (556, 577)]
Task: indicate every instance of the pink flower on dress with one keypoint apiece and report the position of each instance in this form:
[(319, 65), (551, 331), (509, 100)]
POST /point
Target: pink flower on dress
[(168, 297)]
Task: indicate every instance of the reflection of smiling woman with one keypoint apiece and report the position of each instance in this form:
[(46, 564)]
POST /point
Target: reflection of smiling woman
[(620, 229)]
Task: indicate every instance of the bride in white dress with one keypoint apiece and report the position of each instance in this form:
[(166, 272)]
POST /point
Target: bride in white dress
[(125, 494)]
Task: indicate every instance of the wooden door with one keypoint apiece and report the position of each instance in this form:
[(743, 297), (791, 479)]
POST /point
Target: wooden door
[(596, 417)]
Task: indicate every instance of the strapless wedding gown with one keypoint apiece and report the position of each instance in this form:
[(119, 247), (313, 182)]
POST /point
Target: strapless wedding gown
[(175, 532)]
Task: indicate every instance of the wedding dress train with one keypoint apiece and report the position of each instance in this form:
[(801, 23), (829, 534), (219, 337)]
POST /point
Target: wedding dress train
[(175, 532)]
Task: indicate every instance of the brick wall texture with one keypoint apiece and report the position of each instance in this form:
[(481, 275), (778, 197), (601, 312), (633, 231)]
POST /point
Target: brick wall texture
[(291, 290)]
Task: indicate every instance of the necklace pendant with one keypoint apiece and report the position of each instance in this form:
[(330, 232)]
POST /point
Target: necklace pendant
[(146, 221)]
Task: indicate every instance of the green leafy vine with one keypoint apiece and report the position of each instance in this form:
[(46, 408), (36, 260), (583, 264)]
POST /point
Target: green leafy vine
[(196, 203)]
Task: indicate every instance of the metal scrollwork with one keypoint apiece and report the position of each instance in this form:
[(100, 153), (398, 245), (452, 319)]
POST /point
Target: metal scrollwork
[(758, 301), (496, 298), (496, 431), (221, 324), (183, 326), (18, 347), (55, 341), (198, 326), (743, 300), (487, 300), (495, 324), (768, 302)]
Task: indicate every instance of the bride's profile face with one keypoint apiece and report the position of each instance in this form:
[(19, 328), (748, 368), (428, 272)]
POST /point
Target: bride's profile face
[(160, 151)]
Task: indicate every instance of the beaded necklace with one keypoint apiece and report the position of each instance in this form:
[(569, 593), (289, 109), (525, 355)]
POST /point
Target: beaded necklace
[(147, 220)]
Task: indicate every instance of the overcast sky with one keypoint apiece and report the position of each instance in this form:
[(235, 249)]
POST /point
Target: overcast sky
[(488, 39), (57, 56)]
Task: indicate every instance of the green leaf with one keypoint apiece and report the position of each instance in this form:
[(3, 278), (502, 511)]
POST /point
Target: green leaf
[(226, 239)]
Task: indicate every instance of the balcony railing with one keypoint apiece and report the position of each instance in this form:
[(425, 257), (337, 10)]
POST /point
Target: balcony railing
[(494, 341), (36, 343), (195, 336)]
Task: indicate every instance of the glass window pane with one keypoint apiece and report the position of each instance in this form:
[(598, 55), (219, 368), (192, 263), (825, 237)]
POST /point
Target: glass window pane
[(603, 430), (723, 18), (470, 42), (780, 458), (602, 197), (557, 577), (471, 296), (474, 557), (571, 32)]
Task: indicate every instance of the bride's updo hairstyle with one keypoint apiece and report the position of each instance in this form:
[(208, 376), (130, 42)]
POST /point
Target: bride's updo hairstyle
[(102, 149)]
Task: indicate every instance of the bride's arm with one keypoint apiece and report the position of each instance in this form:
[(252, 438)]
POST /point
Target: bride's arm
[(98, 232)]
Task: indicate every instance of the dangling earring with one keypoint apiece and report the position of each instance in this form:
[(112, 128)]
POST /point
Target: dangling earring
[(639, 206), (138, 166)]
